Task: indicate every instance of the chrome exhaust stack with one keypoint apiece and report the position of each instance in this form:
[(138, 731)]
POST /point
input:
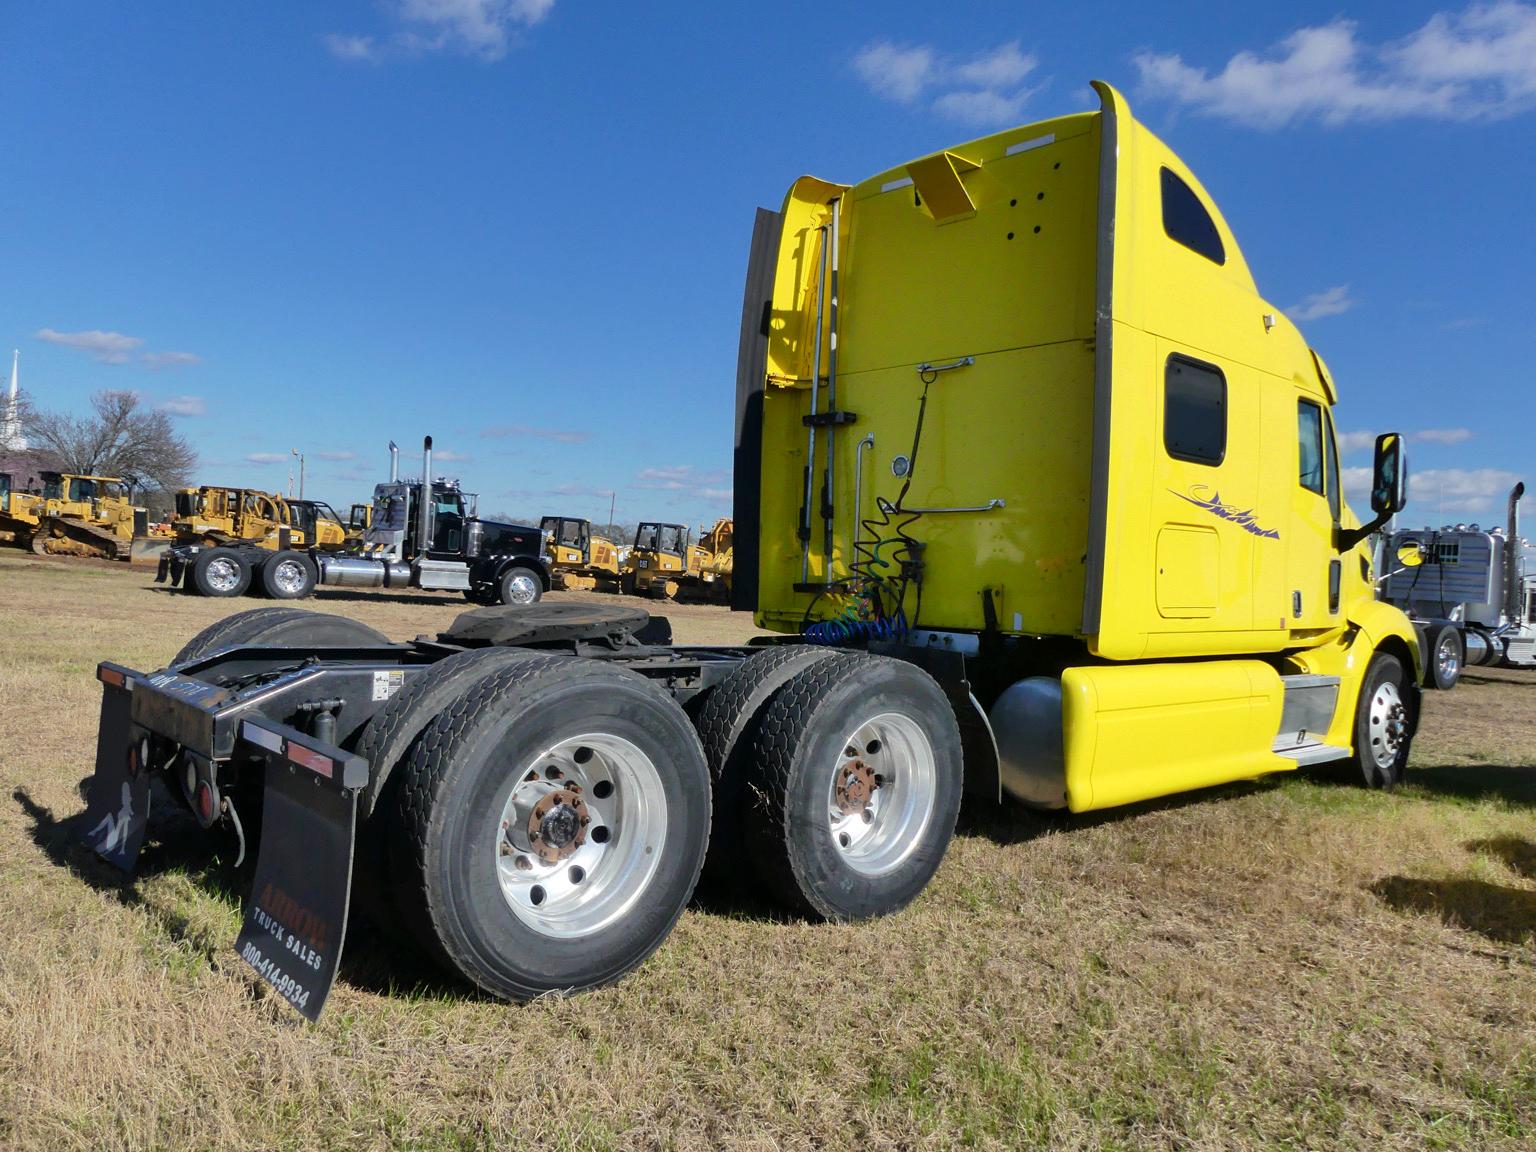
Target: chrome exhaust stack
[(1513, 567), (424, 500), (394, 462)]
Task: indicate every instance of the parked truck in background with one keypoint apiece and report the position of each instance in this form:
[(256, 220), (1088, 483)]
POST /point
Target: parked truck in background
[(1470, 597), (418, 536), (1043, 499)]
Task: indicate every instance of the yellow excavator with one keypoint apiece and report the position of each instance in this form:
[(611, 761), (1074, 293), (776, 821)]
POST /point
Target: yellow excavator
[(577, 558)]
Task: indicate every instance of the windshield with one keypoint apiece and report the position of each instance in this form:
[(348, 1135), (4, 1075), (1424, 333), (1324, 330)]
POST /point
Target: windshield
[(52, 487)]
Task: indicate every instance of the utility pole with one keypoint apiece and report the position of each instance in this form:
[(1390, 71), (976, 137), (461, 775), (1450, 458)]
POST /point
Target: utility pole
[(612, 499), (300, 455)]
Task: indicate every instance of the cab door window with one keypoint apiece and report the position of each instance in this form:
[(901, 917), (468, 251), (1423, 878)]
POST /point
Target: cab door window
[(1331, 465), (1309, 442)]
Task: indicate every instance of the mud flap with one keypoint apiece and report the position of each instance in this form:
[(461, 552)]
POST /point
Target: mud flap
[(296, 917), (117, 808)]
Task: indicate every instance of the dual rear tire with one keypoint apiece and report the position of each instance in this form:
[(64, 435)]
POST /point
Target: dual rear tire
[(538, 822), (838, 779)]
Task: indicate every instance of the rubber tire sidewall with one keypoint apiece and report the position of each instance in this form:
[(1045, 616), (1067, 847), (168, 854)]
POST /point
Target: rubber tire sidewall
[(726, 722), (277, 625), (472, 928), (1432, 676), (794, 853), (1383, 666), (200, 570)]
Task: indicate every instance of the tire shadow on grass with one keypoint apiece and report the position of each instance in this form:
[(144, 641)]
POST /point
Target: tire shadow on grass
[(1499, 913), (1510, 784), (373, 960)]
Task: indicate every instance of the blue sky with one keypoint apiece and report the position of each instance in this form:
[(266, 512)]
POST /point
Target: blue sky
[(521, 225)]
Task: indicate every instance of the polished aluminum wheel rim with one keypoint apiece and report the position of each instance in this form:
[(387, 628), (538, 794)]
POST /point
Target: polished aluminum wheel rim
[(289, 576), (222, 574), (1448, 656), (882, 793), (1388, 719), (522, 589), (581, 835)]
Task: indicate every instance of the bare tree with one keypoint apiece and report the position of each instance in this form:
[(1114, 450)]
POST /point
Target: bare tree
[(118, 438)]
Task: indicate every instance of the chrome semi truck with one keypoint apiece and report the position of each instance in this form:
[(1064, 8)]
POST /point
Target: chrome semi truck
[(1470, 596), (418, 535), (1039, 498)]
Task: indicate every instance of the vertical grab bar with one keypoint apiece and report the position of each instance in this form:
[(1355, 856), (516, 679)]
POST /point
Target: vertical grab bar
[(810, 448)]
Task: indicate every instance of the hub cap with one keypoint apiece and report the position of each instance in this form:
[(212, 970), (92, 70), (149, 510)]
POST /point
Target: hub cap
[(1388, 725), (882, 793), (222, 574), (581, 835), (522, 589), (289, 576)]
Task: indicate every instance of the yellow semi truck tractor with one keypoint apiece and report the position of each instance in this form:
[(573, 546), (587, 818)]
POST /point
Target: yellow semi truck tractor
[(1039, 491)]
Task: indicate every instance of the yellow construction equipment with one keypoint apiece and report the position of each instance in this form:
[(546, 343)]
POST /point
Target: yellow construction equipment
[(578, 559), (212, 515), (665, 564), (85, 516), (18, 512)]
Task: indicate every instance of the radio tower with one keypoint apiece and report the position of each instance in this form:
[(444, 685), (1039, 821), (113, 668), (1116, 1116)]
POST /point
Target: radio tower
[(11, 438)]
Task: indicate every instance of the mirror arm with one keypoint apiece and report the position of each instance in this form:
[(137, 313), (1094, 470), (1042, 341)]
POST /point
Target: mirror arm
[(1345, 539)]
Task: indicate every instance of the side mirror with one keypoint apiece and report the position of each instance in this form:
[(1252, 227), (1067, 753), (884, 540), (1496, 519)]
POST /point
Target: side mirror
[(1389, 481), (1389, 489), (1410, 555)]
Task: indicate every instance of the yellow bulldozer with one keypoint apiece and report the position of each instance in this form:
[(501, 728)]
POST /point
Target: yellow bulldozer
[(74, 515), (577, 558), (665, 564)]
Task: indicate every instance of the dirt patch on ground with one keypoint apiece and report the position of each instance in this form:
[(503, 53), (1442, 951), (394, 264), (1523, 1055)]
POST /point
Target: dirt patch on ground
[(1289, 963)]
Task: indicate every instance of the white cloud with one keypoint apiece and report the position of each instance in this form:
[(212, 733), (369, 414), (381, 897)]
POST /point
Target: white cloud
[(1476, 64), (267, 457), (1003, 67), (1329, 302), (1352, 442), (183, 406), (340, 454), (981, 106), (983, 89), (170, 359), (1443, 435), (107, 347), (351, 47), (679, 478), (559, 435), (897, 73), (1460, 494), (1440, 495), (449, 456), (484, 29)]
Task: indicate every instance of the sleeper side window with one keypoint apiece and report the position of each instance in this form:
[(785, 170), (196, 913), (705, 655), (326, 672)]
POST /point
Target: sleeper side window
[(1309, 438), (1194, 411), (1186, 220)]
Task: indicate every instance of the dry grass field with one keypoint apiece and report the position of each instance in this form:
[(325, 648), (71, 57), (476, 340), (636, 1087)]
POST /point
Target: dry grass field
[(1284, 964)]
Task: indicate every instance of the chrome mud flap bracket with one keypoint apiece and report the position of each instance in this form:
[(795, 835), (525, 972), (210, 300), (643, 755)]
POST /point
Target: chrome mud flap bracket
[(117, 804), (296, 917)]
